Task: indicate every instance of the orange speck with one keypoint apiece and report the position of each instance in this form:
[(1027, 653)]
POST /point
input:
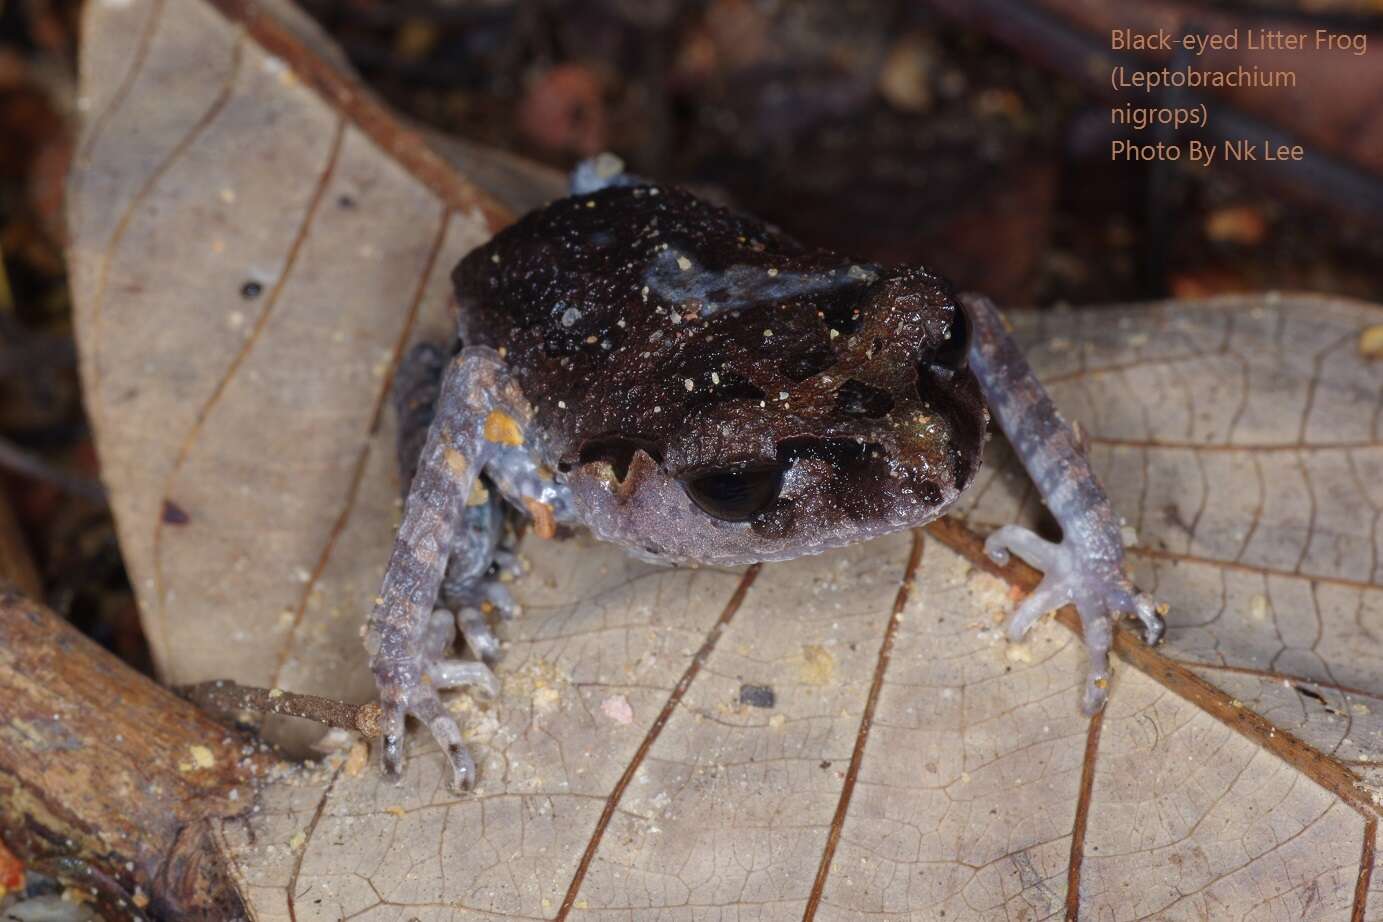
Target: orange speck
[(544, 523), (1371, 342), (11, 871), (502, 428), (455, 460)]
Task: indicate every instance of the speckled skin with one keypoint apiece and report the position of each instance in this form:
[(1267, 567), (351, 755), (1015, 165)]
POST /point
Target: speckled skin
[(625, 342), (656, 332)]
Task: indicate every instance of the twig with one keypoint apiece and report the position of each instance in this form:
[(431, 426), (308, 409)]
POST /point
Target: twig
[(225, 696), (32, 466)]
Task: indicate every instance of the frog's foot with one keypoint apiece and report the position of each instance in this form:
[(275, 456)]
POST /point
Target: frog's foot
[(480, 637), (474, 600), (1099, 589), (506, 564), (486, 594), (409, 687)]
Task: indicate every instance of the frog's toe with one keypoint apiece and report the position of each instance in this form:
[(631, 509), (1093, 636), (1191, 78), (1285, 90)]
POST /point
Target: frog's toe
[(1096, 621), (457, 673), (480, 637), (497, 597), (392, 725), (473, 603), (439, 634), (429, 710), (1048, 596), (417, 698), (1145, 607), (1098, 587), (483, 593), (507, 564), (480, 640), (1014, 539)]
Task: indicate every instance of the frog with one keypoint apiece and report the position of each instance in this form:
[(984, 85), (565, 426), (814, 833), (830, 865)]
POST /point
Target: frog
[(697, 386)]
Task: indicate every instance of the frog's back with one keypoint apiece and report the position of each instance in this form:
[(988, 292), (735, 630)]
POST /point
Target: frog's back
[(634, 310)]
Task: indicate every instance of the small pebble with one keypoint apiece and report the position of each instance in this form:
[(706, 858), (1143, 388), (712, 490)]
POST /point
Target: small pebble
[(758, 696)]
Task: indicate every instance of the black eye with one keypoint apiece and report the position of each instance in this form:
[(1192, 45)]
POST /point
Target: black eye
[(954, 352), (735, 494)]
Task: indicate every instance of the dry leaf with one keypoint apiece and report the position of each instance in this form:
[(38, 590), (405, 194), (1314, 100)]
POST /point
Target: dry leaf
[(254, 243)]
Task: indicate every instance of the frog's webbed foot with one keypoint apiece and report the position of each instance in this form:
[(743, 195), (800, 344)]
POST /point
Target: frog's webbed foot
[(1098, 588)]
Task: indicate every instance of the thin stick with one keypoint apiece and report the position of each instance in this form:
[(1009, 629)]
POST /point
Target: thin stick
[(225, 696), (32, 466)]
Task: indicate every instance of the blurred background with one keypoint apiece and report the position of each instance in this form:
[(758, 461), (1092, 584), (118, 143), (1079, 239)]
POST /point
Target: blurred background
[(969, 135)]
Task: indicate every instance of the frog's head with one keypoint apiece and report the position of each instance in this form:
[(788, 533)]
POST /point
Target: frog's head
[(856, 417)]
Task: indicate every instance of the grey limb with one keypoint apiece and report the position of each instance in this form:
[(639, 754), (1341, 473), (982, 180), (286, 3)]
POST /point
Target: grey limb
[(459, 420), (467, 590), (1087, 567), (406, 639)]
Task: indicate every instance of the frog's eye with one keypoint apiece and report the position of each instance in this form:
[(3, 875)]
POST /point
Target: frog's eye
[(735, 494), (954, 352)]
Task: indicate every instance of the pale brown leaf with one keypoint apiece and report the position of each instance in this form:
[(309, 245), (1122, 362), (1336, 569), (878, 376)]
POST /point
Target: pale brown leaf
[(911, 761)]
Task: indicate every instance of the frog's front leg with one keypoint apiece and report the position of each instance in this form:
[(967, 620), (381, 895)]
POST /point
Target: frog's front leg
[(469, 589), (1087, 567), (448, 535)]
